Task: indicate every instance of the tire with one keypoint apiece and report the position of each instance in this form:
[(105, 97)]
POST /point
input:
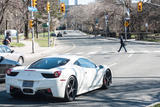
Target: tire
[(20, 60), (71, 89), (107, 79), (16, 94)]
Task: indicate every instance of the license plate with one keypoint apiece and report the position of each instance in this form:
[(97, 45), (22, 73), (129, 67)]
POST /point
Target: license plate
[(27, 83)]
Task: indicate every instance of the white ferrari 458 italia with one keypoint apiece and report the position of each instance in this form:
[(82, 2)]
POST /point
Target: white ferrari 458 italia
[(58, 76)]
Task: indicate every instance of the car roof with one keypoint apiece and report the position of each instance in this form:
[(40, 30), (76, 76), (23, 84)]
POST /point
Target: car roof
[(72, 58)]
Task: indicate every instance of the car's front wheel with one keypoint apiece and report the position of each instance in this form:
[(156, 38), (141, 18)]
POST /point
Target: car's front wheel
[(107, 79), (71, 89)]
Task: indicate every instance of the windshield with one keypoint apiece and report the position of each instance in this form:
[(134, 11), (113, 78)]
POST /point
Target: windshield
[(48, 63)]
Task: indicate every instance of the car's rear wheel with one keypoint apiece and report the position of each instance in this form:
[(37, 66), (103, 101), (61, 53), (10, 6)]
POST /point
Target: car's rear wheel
[(107, 79), (20, 60), (16, 93), (71, 89)]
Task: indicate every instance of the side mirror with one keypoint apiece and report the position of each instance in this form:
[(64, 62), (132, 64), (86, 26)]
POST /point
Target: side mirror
[(101, 67), (12, 51)]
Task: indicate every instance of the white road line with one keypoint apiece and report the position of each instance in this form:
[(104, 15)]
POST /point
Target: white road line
[(156, 51), (132, 52), (91, 53), (130, 55), (112, 64), (145, 51), (79, 53)]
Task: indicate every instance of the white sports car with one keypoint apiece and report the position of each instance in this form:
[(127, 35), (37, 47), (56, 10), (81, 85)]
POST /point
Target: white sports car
[(59, 76)]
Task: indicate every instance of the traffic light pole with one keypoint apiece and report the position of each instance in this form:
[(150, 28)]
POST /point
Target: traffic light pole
[(32, 34), (48, 29), (32, 17), (125, 33)]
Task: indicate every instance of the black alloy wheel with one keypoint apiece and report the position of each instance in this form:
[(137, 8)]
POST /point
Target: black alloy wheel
[(107, 80), (71, 89), (16, 93)]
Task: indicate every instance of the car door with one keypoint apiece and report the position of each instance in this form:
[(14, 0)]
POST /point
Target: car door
[(90, 72), (81, 77)]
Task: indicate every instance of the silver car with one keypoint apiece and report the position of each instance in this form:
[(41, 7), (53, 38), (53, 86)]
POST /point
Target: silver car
[(7, 53)]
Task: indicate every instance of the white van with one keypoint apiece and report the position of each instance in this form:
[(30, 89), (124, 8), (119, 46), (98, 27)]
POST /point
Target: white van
[(13, 32)]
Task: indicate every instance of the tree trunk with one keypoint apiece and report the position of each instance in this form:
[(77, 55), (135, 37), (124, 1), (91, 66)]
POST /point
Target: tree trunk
[(26, 30), (26, 27)]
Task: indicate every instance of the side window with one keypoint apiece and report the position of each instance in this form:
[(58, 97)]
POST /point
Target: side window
[(85, 63), (90, 64), (3, 49), (77, 63), (7, 50)]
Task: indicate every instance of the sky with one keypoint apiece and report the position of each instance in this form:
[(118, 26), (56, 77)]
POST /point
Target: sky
[(72, 2), (135, 1)]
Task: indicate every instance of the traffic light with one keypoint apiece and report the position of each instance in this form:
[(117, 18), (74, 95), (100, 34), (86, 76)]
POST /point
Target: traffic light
[(34, 3), (62, 7), (31, 23), (126, 23), (48, 6), (140, 6)]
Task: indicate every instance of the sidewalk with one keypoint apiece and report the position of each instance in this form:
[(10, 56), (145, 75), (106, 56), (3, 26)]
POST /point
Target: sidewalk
[(26, 51), (128, 40)]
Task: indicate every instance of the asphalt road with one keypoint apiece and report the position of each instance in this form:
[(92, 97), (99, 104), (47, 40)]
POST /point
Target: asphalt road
[(136, 75)]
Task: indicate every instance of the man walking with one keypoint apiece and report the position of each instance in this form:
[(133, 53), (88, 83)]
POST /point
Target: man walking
[(122, 44)]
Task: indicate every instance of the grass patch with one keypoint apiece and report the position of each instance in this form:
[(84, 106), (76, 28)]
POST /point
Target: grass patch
[(14, 44), (43, 41), (133, 36), (152, 40), (157, 105)]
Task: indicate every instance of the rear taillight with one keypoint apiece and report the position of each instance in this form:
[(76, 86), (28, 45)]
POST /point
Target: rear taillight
[(54, 75), (57, 74), (10, 73)]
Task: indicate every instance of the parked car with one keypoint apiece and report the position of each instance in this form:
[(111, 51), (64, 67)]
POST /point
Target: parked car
[(12, 32), (64, 32), (58, 76), (53, 35), (5, 64), (6, 52)]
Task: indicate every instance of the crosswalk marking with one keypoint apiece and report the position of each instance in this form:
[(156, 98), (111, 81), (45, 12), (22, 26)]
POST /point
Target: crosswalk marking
[(106, 52)]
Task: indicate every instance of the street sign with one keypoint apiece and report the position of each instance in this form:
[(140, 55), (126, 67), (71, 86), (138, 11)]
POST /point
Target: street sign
[(32, 9), (44, 25), (126, 24)]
